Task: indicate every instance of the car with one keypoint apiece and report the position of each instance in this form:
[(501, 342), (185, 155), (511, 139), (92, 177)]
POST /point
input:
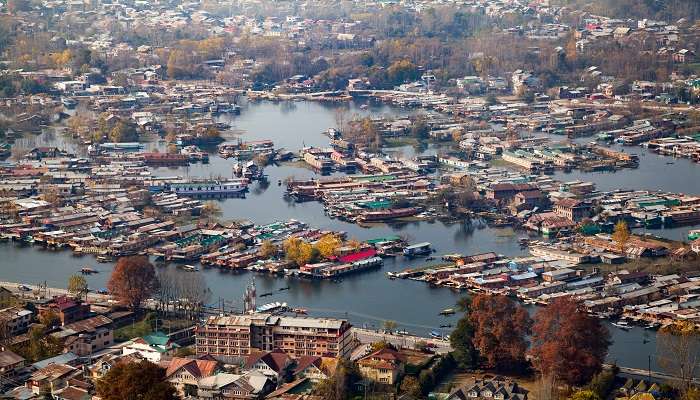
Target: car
[(23, 288)]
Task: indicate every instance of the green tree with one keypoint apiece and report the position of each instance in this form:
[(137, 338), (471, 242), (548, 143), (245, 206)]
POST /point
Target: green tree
[(77, 286), (462, 341), (123, 132), (420, 128)]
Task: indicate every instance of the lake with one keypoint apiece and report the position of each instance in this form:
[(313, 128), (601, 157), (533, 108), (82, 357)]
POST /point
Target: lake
[(368, 298)]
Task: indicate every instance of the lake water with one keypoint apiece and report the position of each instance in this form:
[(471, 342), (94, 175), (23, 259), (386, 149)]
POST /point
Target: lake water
[(367, 298)]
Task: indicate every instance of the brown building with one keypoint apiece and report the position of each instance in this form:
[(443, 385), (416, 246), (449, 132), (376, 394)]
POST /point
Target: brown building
[(237, 336), (573, 210), (68, 309)]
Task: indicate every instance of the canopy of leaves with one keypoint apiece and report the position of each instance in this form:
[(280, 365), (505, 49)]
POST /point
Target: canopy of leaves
[(132, 281), (135, 381)]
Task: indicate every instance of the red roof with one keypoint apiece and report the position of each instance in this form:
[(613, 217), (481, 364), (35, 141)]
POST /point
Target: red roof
[(360, 255)]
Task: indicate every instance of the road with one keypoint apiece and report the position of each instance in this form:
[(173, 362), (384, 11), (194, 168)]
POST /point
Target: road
[(36, 291), (366, 336)]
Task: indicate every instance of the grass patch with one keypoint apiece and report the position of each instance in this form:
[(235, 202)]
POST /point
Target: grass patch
[(137, 329)]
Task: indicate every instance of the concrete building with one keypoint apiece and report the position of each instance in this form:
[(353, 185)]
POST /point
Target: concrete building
[(238, 336)]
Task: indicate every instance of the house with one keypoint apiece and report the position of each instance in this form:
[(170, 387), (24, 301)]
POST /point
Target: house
[(529, 200), (251, 385), (105, 363), (383, 366), (10, 364), (50, 378), (72, 393), (87, 336), (69, 310), (572, 209), (314, 368), (489, 389), (7, 298), (151, 347), (184, 373), (273, 364), (15, 320)]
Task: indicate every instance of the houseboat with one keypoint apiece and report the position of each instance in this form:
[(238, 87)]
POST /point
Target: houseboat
[(210, 188), (417, 249)]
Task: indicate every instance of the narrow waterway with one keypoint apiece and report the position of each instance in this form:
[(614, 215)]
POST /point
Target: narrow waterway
[(367, 298)]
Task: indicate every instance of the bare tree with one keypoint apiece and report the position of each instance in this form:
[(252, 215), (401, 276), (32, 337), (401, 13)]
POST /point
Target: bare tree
[(678, 351)]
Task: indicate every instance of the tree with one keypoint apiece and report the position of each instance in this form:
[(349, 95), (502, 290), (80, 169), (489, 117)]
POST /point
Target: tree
[(49, 319), (327, 245), (500, 329), (268, 249), (390, 325), (341, 385), (132, 281), (621, 235), (462, 341), (567, 343), (41, 346), (420, 128), (603, 382), (678, 351), (135, 381), (298, 251), (410, 386), (211, 211), (123, 132), (585, 395), (77, 286), (376, 346)]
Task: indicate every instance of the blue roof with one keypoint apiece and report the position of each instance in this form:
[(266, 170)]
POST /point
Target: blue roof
[(65, 358)]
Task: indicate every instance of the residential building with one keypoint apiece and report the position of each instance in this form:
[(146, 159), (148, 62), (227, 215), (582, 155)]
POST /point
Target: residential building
[(251, 385), (151, 347), (10, 363), (87, 336), (382, 366), (238, 336), (69, 310), (51, 378), (184, 373), (489, 389), (15, 320), (572, 209)]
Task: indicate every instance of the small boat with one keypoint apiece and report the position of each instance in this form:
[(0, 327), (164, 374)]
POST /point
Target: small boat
[(283, 288), (435, 335), (447, 311), (190, 268), (266, 294), (299, 310), (88, 271), (621, 325), (446, 326), (431, 258), (104, 259), (364, 107)]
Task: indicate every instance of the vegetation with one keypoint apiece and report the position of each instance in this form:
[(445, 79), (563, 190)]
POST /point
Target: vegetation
[(678, 351), (341, 385), (500, 330), (621, 234), (135, 381), (41, 345), (567, 343), (77, 286), (132, 281)]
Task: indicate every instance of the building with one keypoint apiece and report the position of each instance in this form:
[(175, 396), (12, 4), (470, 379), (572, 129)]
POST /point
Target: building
[(51, 378), (151, 347), (496, 389), (273, 364), (184, 373), (382, 366), (15, 320), (68, 309), (237, 336), (251, 385), (87, 336), (572, 209), (10, 363)]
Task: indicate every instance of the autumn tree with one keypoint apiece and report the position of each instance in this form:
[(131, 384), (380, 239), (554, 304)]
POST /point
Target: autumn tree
[(77, 286), (298, 251), (132, 281), (678, 351), (211, 211), (585, 395), (135, 381), (268, 249), (568, 344), (341, 385), (123, 132), (327, 245), (500, 330), (621, 235), (410, 386)]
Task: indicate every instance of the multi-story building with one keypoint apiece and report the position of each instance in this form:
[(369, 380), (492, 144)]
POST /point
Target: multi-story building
[(239, 335), (14, 321)]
